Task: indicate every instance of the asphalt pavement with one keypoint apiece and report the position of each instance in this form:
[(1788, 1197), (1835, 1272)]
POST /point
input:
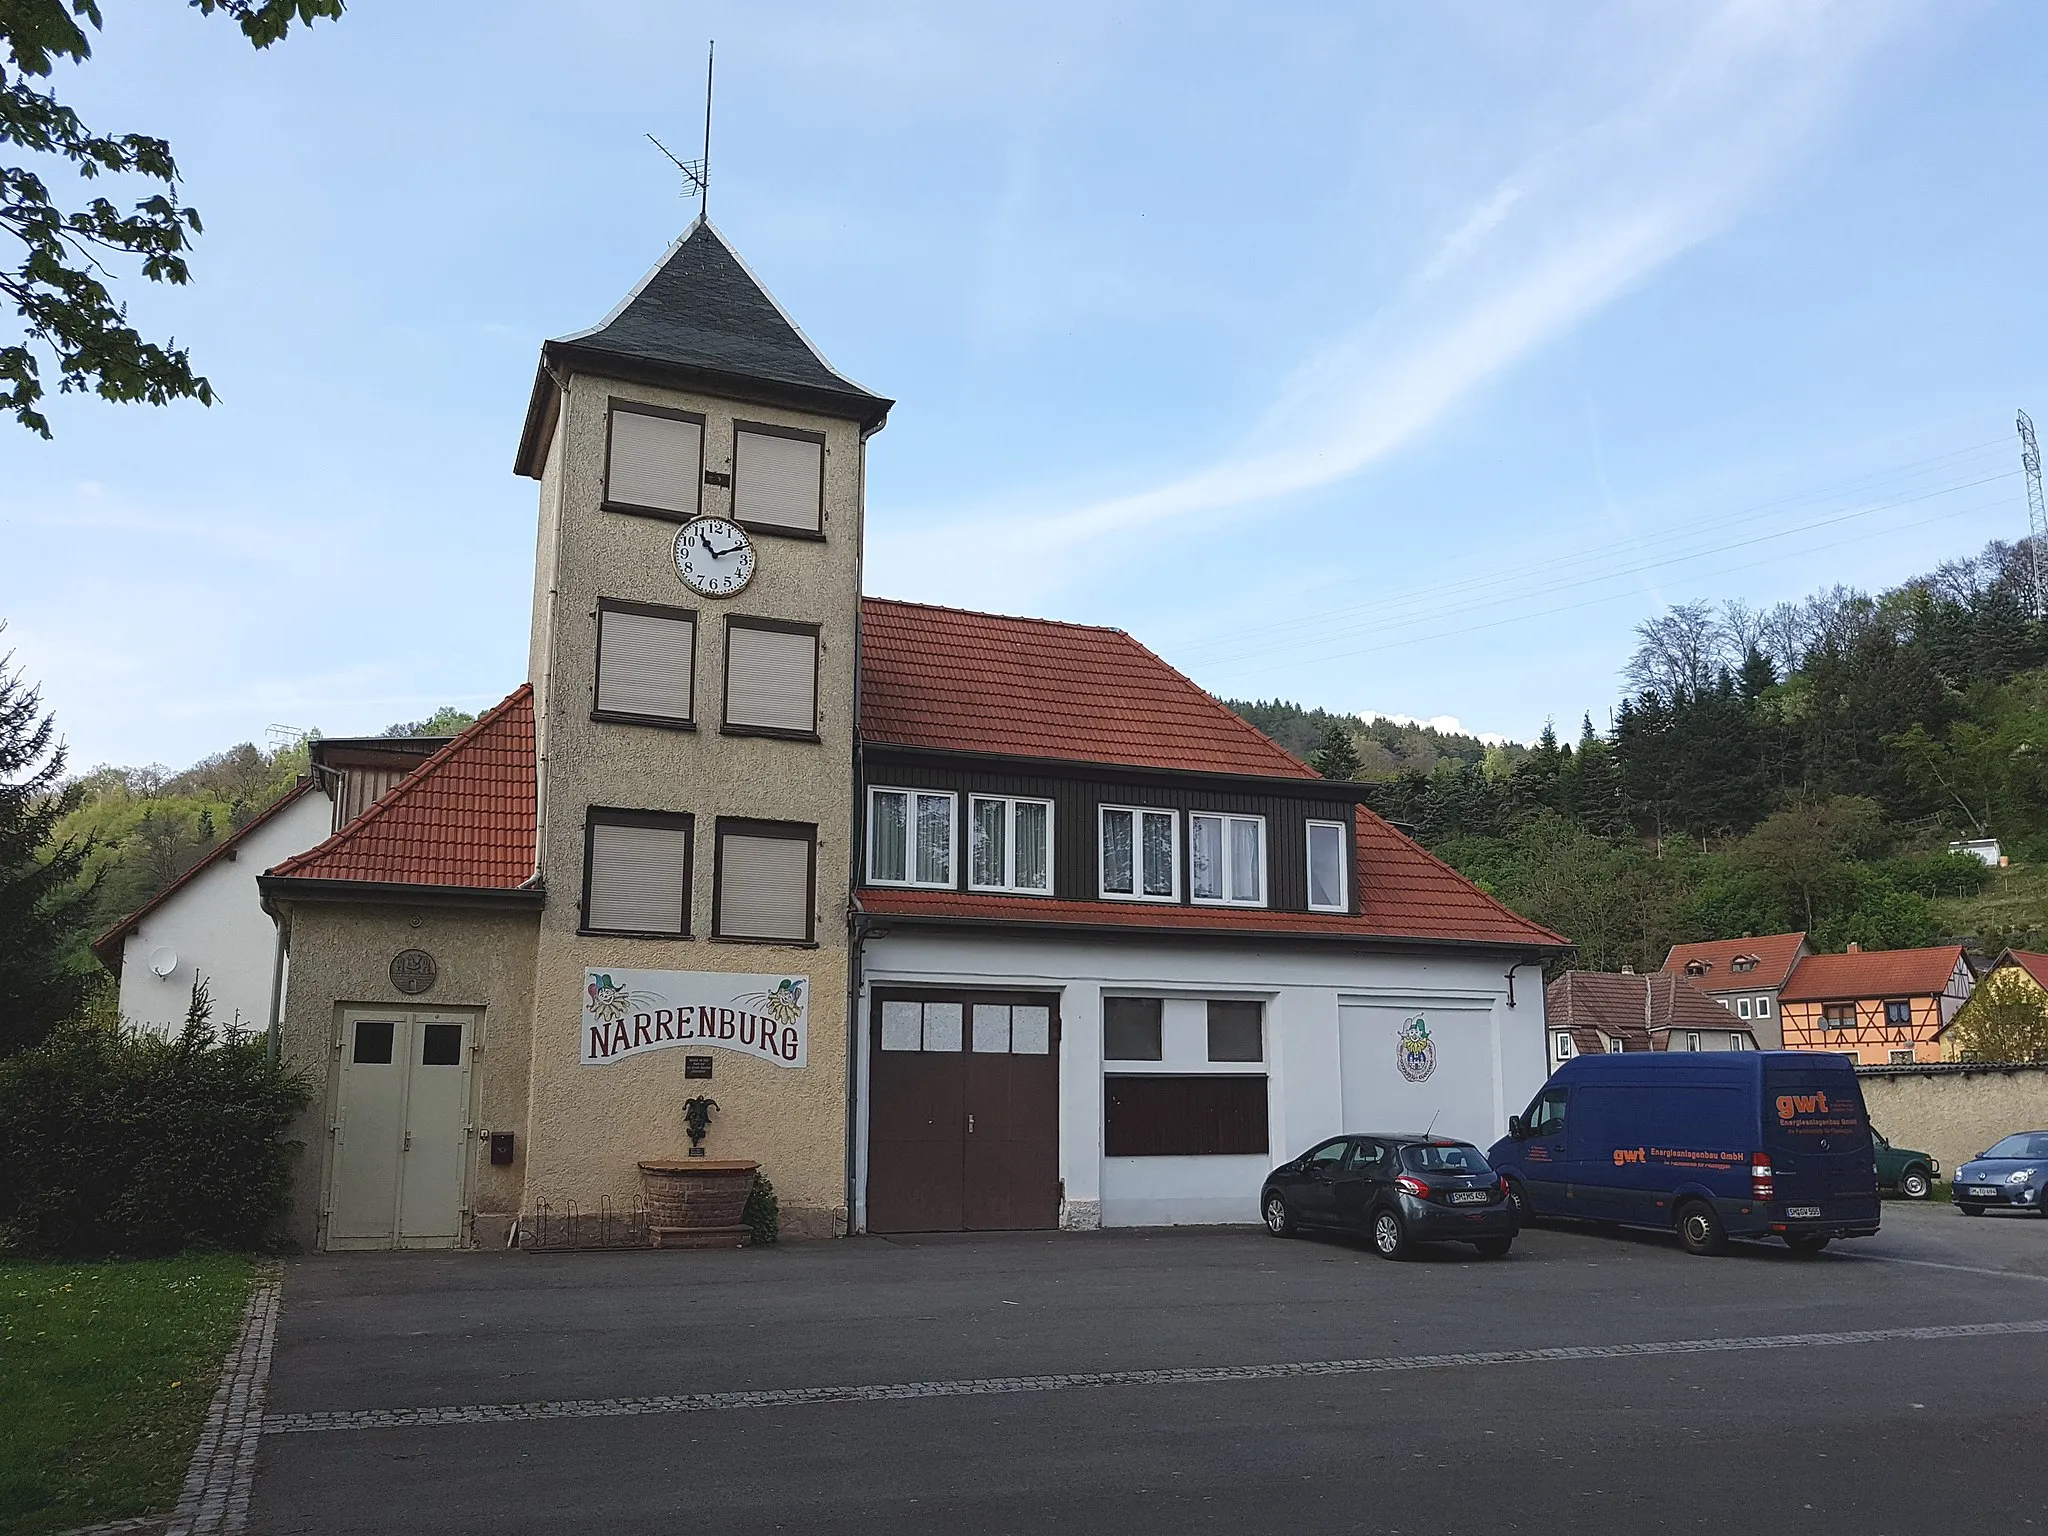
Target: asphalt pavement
[(1177, 1380)]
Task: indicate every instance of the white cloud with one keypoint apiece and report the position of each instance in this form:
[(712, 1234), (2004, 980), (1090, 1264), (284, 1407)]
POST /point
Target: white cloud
[(1580, 223), (1449, 724)]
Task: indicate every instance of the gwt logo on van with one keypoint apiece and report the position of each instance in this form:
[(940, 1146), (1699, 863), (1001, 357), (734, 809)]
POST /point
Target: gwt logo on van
[(1626, 1155), (1793, 1105)]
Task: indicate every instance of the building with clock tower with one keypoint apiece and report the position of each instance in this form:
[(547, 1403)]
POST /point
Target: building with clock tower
[(940, 920)]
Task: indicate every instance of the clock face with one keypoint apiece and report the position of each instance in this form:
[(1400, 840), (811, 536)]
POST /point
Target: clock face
[(714, 557)]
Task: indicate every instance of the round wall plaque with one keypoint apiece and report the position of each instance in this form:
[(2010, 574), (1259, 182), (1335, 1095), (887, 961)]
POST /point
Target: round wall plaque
[(413, 971)]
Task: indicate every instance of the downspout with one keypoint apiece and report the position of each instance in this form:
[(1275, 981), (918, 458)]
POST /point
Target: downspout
[(856, 925), (270, 1041)]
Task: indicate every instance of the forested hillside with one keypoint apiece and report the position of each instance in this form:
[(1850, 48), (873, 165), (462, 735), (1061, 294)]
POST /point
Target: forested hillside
[(1383, 747), (1801, 767), (146, 826)]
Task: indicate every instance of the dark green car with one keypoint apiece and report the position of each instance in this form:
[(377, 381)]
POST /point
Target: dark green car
[(1910, 1173)]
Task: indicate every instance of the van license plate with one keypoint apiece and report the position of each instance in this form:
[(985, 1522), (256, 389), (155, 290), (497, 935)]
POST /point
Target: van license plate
[(1468, 1196), (1803, 1212)]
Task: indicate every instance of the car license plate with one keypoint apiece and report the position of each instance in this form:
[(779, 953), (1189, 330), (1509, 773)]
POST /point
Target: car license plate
[(1468, 1196), (1985, 1191), (1803, 1212)]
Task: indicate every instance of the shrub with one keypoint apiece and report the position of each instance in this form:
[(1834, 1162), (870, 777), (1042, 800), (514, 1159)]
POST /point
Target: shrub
[(763, 1215), (1938, 874), (113, 1141)]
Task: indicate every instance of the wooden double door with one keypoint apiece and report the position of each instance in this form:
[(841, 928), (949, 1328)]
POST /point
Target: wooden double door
[(963, 1111)]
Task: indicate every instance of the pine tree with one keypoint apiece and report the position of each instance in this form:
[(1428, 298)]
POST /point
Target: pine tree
[(1335, 757), (43, 902)]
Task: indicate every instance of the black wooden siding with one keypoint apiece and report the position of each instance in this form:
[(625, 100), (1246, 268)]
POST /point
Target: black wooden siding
[(1075, 801)]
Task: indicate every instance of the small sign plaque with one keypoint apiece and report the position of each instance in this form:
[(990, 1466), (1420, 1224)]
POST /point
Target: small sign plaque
[(696, 1066), (413, 971)]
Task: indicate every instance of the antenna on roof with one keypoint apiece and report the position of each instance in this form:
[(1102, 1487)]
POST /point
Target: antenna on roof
[(697, 173)]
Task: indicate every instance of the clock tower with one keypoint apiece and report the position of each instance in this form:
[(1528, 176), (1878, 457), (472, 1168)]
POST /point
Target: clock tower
[(696, 597)]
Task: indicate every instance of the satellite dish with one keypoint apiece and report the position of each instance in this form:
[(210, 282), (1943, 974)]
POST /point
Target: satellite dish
[(163, 960)]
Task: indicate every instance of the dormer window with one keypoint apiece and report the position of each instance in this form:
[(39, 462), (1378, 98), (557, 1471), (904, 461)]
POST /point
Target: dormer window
[(1009, 844), (1697, 967), (910, 838), (1563, 1046), (1227, 859), (1140, 854), (1745, 962), (1328, 890), (654, 461)]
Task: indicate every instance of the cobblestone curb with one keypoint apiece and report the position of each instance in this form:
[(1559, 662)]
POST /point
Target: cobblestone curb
[(711, 1402), (216, 1497)]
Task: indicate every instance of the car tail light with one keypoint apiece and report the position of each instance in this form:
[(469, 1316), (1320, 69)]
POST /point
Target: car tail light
[(1504, 1185), (1762, 1185), (1412, 1186)]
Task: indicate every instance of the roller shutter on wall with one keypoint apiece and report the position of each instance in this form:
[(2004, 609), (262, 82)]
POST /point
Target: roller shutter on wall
[(764, 886), (638, 873), (656, 462), (778, 482), (644, 661), (771, 679)]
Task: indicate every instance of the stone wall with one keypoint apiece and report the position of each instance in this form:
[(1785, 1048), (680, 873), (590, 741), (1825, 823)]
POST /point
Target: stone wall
[(1954, 1111)]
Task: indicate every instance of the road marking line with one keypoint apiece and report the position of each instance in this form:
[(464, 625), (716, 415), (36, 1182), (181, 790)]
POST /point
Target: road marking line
[(1962, 1269), (215, 1501), (790, 1397)]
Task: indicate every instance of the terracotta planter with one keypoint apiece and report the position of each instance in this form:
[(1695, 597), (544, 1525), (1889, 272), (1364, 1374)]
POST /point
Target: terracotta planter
[(697, 1203)]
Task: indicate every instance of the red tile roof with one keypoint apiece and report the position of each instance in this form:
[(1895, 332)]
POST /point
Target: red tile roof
[(1776, 954), (108, 945), (2034, 965), (1640, 1011), (1407, 895), (1875, 973), (981, 682), (465, 817)]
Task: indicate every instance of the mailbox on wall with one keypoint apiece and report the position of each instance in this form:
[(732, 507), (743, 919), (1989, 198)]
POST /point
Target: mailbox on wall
[(501, 1147)]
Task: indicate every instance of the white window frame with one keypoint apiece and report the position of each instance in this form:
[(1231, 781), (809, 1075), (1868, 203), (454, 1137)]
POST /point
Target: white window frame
[(1615, 1046), (1343, 867), (1226, 869), (1692, 1040), (951, 882), (1763, 1006), (1009, 803), (1137, 891), (1742, 1007), (1562, 1046)]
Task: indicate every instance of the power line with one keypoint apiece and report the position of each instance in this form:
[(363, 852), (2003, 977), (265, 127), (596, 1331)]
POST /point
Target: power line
[(1611, 597), (1521, 572)]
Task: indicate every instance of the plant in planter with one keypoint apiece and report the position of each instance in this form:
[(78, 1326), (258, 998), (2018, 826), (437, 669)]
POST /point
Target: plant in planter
[(697, 1114)]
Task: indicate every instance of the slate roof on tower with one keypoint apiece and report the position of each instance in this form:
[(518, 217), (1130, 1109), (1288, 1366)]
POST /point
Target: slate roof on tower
[(699, 320)]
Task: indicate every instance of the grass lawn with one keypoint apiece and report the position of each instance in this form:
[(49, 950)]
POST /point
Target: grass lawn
[(106, 1371)]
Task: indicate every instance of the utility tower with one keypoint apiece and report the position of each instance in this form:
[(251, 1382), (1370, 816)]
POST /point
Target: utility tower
[(2037, 510)]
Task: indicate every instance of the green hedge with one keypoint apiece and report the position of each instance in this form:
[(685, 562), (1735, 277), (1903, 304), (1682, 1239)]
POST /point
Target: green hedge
[(112, 1141)]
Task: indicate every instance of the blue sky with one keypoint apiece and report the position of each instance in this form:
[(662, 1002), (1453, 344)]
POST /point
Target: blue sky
[(1381, 357)]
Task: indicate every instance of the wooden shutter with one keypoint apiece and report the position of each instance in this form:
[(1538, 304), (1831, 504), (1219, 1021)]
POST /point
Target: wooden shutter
[(643, 664), (656, 462), (778, 482), (771, 679), (764, 887), (639, 878)]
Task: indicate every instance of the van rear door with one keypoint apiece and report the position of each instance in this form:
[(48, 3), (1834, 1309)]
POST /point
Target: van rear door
[(1818, 1136)]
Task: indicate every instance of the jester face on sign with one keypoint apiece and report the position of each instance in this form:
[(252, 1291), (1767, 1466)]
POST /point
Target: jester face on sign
[(785, 1005)]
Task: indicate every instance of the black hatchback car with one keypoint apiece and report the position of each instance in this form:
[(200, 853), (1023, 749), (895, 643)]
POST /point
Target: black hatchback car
[(1397, 1189)]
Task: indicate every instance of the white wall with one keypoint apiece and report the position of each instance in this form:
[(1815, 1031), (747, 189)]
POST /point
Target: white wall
[(1302, 988), (216, 926)]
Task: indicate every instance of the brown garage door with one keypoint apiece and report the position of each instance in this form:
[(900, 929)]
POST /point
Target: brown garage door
[(963, 1111)]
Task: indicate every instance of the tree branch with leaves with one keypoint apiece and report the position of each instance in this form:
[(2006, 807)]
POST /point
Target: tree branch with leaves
[(57, 279)]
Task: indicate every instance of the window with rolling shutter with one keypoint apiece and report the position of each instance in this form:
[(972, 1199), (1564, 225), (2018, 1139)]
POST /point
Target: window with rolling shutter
[(778, 479), (636, 872), (645, 658), (655, 462), (771, 678), (764, 877)]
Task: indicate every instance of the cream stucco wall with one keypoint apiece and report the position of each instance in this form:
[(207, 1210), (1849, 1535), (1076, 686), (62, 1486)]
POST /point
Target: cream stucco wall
[(341, 959), (589, 1125), (1958, 1112)]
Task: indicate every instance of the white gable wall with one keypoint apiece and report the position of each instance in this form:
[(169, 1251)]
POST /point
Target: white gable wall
[(216, 926), (1320, 1004)]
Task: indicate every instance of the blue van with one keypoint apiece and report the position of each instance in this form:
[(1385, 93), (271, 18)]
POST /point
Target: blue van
[(1712, 1144)]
